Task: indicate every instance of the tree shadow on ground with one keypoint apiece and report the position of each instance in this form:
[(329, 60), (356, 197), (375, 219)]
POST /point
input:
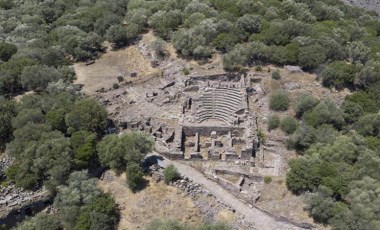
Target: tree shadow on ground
[(143, 183)]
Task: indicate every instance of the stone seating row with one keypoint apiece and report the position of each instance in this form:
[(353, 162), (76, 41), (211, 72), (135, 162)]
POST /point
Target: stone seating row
[(221, 105), (216, 97), (217, 117), (219, 99), (223, 95)]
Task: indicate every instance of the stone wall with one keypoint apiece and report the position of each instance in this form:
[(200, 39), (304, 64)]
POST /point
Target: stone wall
[(206, 130), (233, 77)]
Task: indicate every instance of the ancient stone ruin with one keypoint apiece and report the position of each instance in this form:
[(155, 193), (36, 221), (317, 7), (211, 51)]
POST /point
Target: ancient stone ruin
[(215, 122), (194, 118)]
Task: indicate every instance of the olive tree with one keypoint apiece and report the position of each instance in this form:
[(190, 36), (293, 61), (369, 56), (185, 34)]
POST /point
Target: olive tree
[(38, 77), (86, 115), (249, 23), (279, 101), (116, 152), (7, 50), (338, 74)]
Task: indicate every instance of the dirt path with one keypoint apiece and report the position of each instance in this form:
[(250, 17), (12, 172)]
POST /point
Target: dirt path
[(262, 220)]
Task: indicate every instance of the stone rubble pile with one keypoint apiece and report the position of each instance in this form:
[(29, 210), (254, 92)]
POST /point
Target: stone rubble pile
[(107, 176), (5, 162), (11, 196), (190, 188)]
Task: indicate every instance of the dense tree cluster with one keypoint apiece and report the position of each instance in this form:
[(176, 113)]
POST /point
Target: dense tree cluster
[(44, 146), (7, 112), (340, 158), (308, 33), (81, 205), (304, 32), (54, 134), (38, 38), (126, 152), (40, 221), (51, 135)]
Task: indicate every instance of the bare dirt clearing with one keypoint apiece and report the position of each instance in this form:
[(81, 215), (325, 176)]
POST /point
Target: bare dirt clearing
[(276, 198), (136, 58), (155, 201), (106, 69), (18, 98)]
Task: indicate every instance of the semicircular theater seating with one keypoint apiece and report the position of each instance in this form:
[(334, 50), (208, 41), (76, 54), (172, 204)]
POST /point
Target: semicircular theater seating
[(220, 104)]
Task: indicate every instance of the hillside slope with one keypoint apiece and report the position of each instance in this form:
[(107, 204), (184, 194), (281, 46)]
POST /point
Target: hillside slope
[(372, 5)]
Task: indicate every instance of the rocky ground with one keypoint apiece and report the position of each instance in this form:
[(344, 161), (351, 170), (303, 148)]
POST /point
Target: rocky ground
[(184, 200), (371, 5), (5, 162), (155, 201), (256, 216), (12, 198), (212, 209)]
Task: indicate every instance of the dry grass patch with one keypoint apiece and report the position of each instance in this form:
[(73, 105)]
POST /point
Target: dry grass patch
[(157, 200), (104, 72)]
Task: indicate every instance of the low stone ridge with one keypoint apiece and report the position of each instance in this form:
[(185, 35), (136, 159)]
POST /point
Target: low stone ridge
[(13, 198)]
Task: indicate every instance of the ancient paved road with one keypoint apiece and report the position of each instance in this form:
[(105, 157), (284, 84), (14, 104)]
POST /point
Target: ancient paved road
[(260, 219)]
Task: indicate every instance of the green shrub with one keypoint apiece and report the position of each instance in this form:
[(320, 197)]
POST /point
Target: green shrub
[(267, 179), (120, 78), (12, 172), (326, 112), (339, 74), (305, 103), (311, 56), (134, 176), (115, 86), (279, 101), (274, 122), (7, 50), (102, 205), (186, 71), (261, 136), (302, 138), (276, 75), (288, 125), (159, 46), (259, 68), (171, 174)]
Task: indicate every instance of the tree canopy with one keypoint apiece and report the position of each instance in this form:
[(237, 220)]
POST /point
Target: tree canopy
[(83, 206)]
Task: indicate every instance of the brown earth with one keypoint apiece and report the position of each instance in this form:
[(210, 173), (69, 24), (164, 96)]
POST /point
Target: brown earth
[(106, 69), (157, 200), (277, 199)]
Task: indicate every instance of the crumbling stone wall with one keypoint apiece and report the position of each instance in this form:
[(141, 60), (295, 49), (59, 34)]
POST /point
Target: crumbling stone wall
[(206, 130)]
